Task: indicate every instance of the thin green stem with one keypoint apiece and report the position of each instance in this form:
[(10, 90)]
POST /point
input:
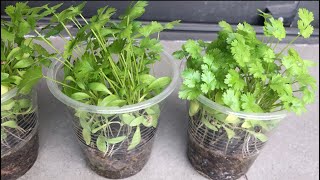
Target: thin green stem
[(288, 45), (46, 77)]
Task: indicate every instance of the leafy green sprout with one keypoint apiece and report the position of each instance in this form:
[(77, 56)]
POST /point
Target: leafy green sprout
[(108, 64), (239, 71), (21, 60)]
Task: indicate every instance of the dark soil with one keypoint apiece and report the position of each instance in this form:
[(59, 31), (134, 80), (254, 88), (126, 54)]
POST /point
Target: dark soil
[(121, 165), (215, 164), (20, 161)]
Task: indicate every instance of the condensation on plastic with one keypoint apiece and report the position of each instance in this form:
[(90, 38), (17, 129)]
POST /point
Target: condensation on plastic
[(165, 67), (242, 143), (27, 122)]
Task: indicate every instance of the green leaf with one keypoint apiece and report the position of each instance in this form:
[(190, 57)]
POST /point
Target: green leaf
[(189, 93), (308, 96), (68, 48), (151, 28), (155, 109), (116, 140), (29, 79), (232, 119), (194, 107), (208, 124), (257, 70), (86, 134), (274, 28), (83, 68), (249, 103), (135, 139), (170, 25), (193, 48), (225, 26), (8, 105), (127, 118), (24, 28), (101, 143), (96, 86), (10, 124), (99, 128), (154, 120), (159, 83), (241, 51), (80, 96), (6, 35), (246, 124), (260, 136), (69, 78), (117, 46), (234, 80), (3, 135), (191, 78), (218, 98), (24, 103), (209, 82), (179, 54), (304, 24), (84, 124), (279, 84), (23, 63), (108, 100), (13, 52), (4, 76), (230, 132), (231, 99), (137, 121), (147, 78), (118, 102), (135, 11)]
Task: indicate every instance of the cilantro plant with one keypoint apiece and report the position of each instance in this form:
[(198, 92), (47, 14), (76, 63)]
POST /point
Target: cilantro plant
[(107, 64), (21, 60), (241, 72)]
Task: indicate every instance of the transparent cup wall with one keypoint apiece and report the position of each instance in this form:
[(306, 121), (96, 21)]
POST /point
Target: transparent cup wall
[(19, 120), (117, 138), (219, 135), (120, 143)]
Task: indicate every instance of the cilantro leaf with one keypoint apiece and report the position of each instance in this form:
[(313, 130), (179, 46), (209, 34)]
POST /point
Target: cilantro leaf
[(274, 28), (240, 51), (249, 103), (231, 99), (234, 80), (304, 24), (193, 48), (189, 93), (191, 78)]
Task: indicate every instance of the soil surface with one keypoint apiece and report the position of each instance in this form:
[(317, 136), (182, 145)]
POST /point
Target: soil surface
[(118, 166), (215, 164), (20, 161)]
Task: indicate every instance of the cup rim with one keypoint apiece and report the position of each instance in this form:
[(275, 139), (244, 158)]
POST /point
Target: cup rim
[(53, 87)]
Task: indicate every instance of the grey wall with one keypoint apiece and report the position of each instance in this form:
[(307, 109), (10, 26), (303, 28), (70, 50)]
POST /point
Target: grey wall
[(190, 11)]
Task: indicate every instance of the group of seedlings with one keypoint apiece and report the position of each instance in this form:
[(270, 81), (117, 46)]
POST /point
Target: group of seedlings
[(238, 87)]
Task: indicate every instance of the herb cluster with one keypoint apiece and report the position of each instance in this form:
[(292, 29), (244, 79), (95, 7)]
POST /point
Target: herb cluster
[(246, 74), (109, 63), (239, 71), (21, 61)]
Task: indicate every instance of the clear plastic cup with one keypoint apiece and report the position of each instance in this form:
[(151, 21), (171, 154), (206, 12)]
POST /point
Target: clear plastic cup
[(19, 133), (123, 147), (223, 144)]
